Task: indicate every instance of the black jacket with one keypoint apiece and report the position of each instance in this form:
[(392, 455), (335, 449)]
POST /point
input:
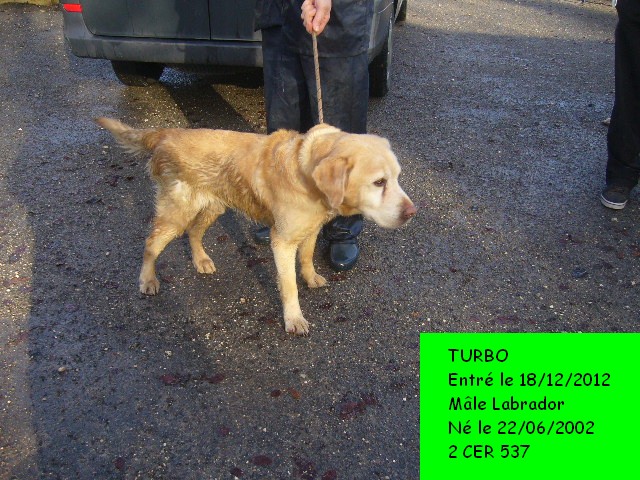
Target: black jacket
[(346, 34), (269, 13)]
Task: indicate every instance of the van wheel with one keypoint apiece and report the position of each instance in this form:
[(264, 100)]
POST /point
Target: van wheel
[(380, 67), (137, 74), (402, 13)]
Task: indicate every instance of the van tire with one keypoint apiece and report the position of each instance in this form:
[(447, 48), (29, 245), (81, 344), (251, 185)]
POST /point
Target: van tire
[(380, 67), (402, 13), (137, 74)]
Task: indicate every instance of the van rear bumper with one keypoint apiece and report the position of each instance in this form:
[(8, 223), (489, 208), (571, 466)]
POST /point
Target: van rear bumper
[(164, 51)]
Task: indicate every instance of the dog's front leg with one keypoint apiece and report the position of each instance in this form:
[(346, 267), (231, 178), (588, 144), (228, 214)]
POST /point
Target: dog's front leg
[(307, 247), (284, 253)]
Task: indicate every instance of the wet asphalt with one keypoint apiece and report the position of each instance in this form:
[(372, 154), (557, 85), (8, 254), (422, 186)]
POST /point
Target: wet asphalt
[(495, 113)]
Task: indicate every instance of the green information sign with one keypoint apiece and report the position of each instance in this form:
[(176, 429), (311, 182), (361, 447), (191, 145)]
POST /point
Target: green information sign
[(529, 406)]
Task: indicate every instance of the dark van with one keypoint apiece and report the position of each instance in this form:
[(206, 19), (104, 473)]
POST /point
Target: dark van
[(142, 37)]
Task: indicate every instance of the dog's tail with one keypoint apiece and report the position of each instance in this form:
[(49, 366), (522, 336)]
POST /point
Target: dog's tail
[(132, 140)]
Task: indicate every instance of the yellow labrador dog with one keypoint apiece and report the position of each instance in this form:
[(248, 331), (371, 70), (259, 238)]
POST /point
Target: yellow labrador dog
[(293, 182)]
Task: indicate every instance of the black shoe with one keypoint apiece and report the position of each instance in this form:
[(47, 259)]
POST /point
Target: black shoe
[(615, 196), (341, 234), (262, 236), (343, 255)]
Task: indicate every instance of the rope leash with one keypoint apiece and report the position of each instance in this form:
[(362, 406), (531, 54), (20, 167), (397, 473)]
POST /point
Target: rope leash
[(317, 68)]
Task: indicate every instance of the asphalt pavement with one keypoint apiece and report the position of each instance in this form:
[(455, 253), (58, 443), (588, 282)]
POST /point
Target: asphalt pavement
[(495, 113)]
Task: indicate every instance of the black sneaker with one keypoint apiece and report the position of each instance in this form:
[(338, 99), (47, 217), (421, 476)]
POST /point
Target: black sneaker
[(615, 196)]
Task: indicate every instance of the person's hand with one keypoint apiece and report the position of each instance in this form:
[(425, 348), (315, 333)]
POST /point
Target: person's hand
[(315, 15)]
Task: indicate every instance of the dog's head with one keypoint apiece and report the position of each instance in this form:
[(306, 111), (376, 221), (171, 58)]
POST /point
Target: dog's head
[(359, 174)]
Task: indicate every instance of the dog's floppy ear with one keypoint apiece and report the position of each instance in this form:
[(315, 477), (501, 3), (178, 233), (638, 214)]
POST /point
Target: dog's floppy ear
[(331, 176)]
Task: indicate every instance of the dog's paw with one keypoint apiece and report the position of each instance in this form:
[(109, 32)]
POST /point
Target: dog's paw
[(296, 325), (149, 287), (316, 280), (204, 265)]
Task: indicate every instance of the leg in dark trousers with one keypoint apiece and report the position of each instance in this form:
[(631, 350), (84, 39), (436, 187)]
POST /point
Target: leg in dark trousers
[(623, 137), (291, 102), (345, 99), (285, 90), (286, 94)]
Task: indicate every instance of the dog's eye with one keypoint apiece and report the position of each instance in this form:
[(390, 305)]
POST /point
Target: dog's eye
[(381, 182)]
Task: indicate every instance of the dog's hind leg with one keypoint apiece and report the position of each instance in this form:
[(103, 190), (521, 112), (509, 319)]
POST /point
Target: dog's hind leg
[(163, 232), (196, 231), (171, 221)]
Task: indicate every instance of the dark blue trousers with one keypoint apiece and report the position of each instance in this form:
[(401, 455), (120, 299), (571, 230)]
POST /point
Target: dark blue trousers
[(623, 138)]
